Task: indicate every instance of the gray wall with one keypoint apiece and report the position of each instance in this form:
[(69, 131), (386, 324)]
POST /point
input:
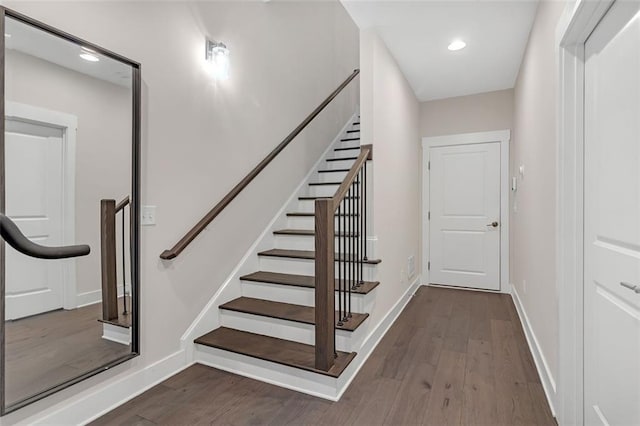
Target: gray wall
[(533, 143), (482, 112), (390, 121)]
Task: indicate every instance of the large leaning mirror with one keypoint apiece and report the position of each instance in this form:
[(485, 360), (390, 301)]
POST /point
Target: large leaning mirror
[(69, 203)]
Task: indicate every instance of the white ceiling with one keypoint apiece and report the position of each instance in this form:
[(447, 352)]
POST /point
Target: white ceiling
[(417, 34), (35, 42)]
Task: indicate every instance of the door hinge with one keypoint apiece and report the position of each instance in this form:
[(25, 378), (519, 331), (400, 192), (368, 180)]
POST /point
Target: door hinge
[(428, 215), (428, 165), (429, 266)]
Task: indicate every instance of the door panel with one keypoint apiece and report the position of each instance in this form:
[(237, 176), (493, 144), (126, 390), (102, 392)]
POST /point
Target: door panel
[(612, 219), (34, 202), (465, 199)]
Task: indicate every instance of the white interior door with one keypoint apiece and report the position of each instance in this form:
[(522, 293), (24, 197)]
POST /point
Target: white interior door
[(34, 198), (465, 216), (612, 219)]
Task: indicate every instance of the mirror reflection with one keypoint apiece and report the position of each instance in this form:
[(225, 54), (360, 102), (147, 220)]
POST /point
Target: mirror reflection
[(68, 180)]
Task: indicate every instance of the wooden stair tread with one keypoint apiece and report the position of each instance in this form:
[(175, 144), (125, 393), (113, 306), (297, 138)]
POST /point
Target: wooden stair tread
[(342, 159), (307, 281), (315, 197), (356, 124), (309, 232), (330, 183), (306, 254), (349, 139), (347, 148), (287, 311), (309, 214), (334, 171), (353, 131), (324, 183), (280, 351)]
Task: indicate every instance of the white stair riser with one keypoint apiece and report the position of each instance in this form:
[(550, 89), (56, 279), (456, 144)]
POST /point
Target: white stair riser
[(283, 329), (277, 374), (298, 295), (308, 222), (303, 242), (321, 190), (303, 267), (330, 177), (300, 222), (341, 164), (345, 153)]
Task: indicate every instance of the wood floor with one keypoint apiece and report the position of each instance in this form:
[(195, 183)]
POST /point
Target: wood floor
[(46, 350), (453, 357)]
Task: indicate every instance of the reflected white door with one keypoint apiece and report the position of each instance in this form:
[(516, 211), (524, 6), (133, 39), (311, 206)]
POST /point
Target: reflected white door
[(612, 219), (465, 216), (33, 167)]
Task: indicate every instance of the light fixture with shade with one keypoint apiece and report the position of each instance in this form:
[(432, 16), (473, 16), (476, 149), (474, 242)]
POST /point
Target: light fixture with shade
[(217, 56), (88, 55), (457, 45)]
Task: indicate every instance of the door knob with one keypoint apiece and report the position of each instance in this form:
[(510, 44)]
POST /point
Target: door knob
[(493, 224), (635, 288)]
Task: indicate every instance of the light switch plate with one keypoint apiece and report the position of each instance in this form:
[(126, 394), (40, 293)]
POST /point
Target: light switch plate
[(148, 216)]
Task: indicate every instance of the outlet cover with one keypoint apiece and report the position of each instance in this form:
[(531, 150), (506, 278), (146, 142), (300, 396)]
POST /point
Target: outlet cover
[(148, 216), (411, 266)]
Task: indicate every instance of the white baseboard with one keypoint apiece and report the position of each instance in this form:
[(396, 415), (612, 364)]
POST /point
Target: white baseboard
[(107, 397), (92, 297), (548, 382), (302, 381)]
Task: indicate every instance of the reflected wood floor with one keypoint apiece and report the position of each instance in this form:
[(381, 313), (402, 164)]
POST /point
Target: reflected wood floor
[(453, 357), (48, 349)]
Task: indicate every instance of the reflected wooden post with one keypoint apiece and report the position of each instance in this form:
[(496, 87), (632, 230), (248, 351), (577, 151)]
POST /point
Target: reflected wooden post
[(108, 259), (325, 312)]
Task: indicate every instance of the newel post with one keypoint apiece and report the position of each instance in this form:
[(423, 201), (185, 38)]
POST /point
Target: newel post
[(325, 284), (108, 259)]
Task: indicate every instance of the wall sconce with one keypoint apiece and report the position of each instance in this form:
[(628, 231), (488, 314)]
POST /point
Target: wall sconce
[(217, 56)]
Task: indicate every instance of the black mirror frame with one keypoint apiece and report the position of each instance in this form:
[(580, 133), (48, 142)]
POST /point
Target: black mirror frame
[(135, 209)]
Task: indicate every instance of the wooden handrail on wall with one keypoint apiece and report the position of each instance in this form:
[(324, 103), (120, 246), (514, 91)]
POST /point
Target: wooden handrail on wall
[(215, 211), (325, 309)]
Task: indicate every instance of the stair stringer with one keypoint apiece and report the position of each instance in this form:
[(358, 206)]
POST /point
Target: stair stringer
[(209, 317)]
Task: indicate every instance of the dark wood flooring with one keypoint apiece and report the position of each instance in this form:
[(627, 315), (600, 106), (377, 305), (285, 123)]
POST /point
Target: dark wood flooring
[(453, 357), (46, 350)]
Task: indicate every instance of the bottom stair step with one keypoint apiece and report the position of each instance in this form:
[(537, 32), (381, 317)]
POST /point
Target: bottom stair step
[(280, 351)]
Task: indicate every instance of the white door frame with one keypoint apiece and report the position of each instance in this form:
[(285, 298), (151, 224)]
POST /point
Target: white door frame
[(69, 125), (576, 24), (501, 136)]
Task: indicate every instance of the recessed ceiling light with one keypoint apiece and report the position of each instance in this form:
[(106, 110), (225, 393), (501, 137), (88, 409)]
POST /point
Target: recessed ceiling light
[(89, 55), (457, 45)]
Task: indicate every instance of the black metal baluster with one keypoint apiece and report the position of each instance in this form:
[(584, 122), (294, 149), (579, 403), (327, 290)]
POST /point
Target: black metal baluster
[(360, 225), (124, 267), (365, 211), (339, 267), (347, 250)]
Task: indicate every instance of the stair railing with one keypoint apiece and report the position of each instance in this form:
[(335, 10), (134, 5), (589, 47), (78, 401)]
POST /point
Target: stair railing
[(345, 212), (173, 252), (108, 255)]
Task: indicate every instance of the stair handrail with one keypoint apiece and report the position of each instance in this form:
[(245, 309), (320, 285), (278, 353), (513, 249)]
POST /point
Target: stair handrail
[(173, 252), (325, 277), (12, 235)]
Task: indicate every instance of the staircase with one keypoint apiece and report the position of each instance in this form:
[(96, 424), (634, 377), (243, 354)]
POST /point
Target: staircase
[(269, 331)]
